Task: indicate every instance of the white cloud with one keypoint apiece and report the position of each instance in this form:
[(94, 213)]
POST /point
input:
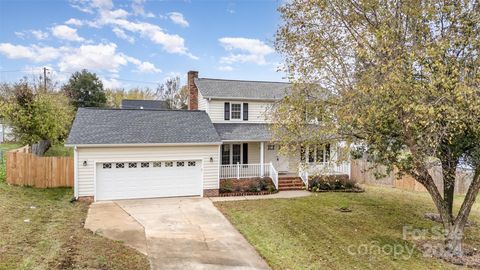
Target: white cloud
[(144, 67), (66, 32), (103, 57), (138, 9), (97, 57), (148, 67), (118, 18), (170, 43), (111, 83), (102, 4), (177, 18), (250, 50), (39, 34), (20, 34), (33, 53), (225, 68), (121, 34), (75, 22)]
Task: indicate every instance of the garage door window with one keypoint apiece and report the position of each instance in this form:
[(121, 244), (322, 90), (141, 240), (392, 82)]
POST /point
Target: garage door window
[(168, 163), (132, 165), (191, 164), (157, 164), (180, 164), (107, 165), (119, 165), (145, 164)]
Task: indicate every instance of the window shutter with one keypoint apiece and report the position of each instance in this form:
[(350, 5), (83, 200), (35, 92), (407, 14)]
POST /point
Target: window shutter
[(227, 111), (245, 111), (245, 153)]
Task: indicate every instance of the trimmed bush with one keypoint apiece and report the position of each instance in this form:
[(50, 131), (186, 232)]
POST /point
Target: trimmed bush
[(332, 182), (246, 185)]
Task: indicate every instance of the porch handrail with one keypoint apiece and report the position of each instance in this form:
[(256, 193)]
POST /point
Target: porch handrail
[(274, 175), (303, 174)]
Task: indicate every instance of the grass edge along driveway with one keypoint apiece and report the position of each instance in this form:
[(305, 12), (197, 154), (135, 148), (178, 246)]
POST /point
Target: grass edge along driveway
[(41, 229)]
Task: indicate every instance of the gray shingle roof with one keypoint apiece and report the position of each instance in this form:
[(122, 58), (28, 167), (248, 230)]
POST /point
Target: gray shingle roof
[(115, 126), (144, 104), (233, 89), (243, 131)]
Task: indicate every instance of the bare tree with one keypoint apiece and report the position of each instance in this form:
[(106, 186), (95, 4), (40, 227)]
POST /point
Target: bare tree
[(171, 91)]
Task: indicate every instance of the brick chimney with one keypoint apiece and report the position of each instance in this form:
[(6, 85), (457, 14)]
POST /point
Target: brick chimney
[(192, 91)]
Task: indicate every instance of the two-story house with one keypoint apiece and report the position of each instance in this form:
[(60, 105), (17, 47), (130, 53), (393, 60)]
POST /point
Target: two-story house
[(225, 133)]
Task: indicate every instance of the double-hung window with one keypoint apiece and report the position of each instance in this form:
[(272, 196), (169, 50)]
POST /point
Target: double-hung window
[(236, 111), (236, 153), (225, 154), (319, 153)]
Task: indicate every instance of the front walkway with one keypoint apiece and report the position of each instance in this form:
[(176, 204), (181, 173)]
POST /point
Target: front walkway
[(175, 233), (279, 195)]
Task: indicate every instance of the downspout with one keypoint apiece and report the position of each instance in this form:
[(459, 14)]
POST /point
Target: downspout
[(75, 174)]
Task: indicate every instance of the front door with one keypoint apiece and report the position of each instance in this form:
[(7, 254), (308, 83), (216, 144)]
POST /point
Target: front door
[(272, 154)]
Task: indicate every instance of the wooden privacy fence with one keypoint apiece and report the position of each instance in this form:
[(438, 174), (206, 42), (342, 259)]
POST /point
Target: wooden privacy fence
[(26, 169), (362, 172)]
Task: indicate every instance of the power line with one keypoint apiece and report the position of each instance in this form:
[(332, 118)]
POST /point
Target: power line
[(63, 72)]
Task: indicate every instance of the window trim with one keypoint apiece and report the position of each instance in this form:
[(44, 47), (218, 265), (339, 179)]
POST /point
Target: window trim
[(231, 112), (230, 149), (305, 157)]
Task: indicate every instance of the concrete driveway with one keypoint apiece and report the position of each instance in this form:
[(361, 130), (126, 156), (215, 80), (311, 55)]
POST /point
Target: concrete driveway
[(175, 233)]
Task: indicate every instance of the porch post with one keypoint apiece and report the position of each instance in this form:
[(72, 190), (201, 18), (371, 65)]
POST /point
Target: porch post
[(238, 170), (262, 150)]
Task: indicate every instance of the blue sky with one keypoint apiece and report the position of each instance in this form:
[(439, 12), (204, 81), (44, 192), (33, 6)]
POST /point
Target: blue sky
[(139, 42)]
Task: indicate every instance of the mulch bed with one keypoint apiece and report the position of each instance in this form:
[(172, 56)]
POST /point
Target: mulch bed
[(434, 249), (230, 194)]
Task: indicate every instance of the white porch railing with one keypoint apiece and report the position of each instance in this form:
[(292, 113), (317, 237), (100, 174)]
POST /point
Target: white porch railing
[(249, 171), (303, 174), (328, 168)]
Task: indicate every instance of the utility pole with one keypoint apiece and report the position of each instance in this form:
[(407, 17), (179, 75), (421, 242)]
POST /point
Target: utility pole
[(45, 79)]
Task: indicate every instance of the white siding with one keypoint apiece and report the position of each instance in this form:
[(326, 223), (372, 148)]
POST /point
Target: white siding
[(257, 111), (203, 152), (253, 152), (202, 102)]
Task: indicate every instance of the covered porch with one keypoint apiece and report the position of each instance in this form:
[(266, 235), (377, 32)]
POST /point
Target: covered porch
[(251, 160), (247, 152)]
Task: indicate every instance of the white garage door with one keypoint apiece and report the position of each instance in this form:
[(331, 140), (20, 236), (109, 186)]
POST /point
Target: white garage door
[(148, 179)]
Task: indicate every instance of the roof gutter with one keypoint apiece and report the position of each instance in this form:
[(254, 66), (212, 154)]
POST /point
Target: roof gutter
[(142, 144), (239, 98), (256, 140)]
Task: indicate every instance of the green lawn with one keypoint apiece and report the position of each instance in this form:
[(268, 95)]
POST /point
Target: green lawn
[(41, 229), (310, 233)]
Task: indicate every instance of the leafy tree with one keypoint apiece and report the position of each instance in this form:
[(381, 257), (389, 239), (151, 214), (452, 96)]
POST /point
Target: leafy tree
[(85, 89), (115, 96), (400, 77), (38, 119)]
